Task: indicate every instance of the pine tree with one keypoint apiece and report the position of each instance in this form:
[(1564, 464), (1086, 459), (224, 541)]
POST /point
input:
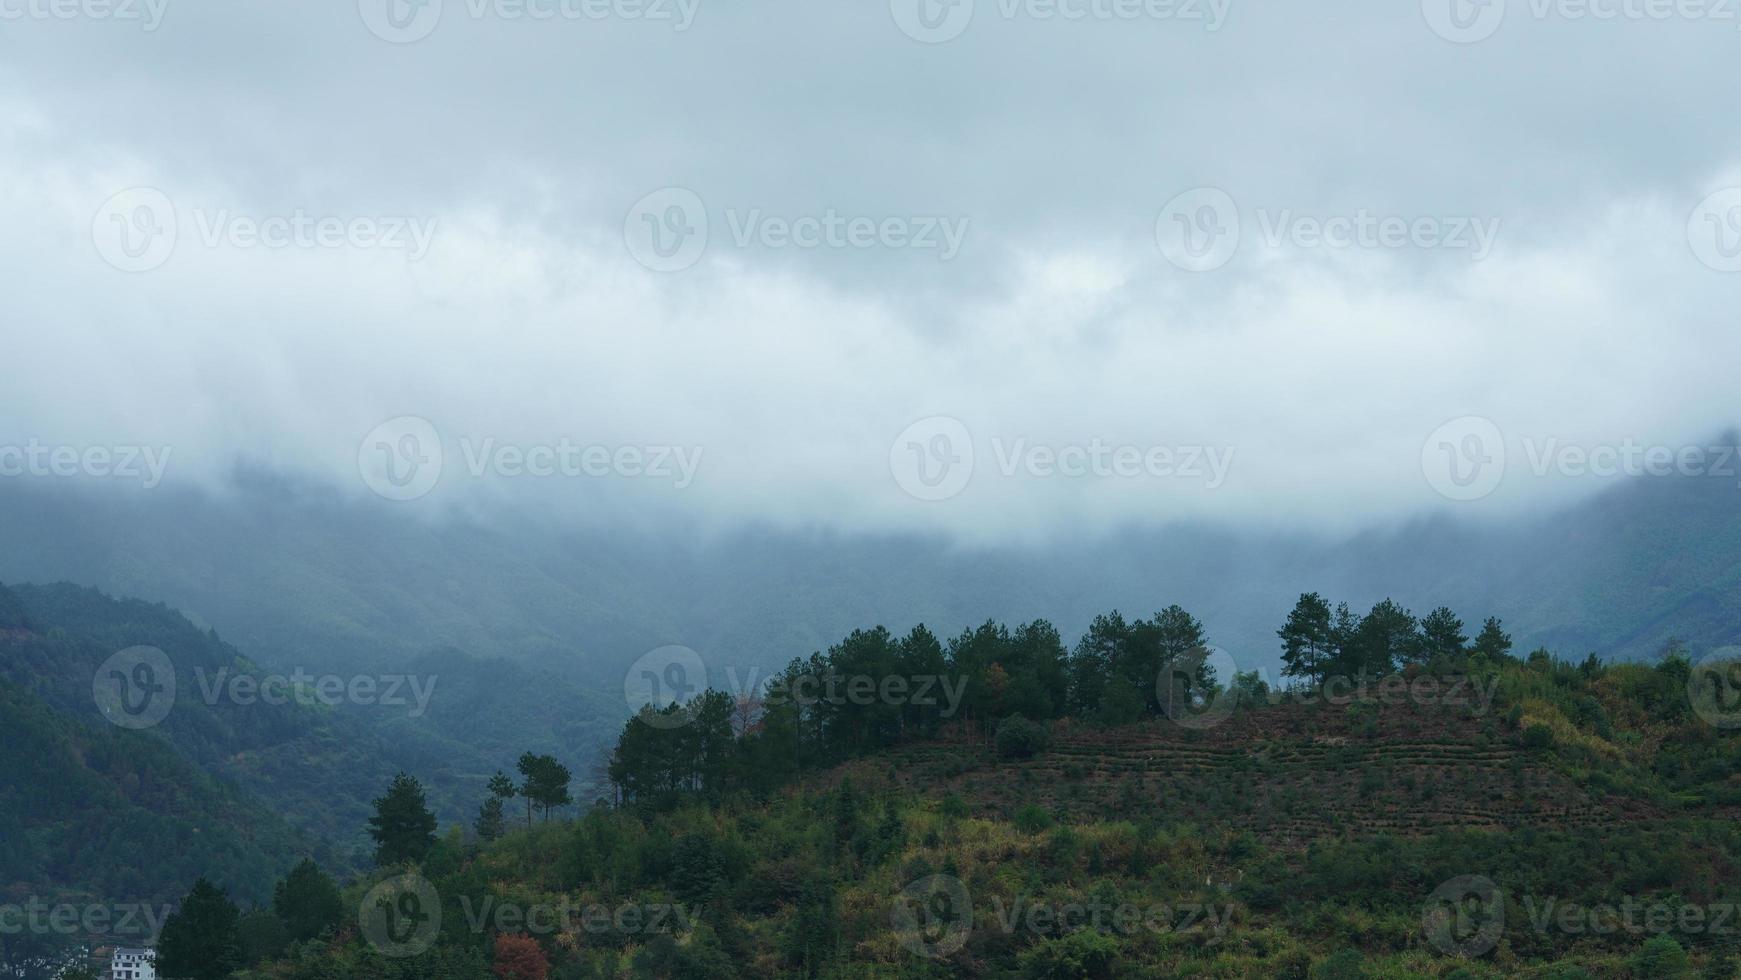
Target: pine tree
[(1306, 639), (1388, 636), (403, 827), (202, 940), (546, 784), (492, 822), (1443, 642), (307, 902), (1493, 642)]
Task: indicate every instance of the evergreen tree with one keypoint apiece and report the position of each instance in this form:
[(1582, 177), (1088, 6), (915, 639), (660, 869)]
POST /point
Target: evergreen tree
[(546, 784), (492, 822), (307, 902), (1307, 640), (403, 827), (1388, 636), (202, 940), (1443, 643), (1493, 642), (1344, 642)]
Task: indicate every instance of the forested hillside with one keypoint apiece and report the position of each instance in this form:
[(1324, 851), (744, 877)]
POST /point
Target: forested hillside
[(1108, 808)]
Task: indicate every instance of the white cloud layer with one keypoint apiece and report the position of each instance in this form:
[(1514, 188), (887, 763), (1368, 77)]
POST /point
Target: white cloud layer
[(517, 148)]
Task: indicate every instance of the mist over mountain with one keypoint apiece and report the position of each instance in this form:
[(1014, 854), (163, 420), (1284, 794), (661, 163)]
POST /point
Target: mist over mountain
[(322, 581)]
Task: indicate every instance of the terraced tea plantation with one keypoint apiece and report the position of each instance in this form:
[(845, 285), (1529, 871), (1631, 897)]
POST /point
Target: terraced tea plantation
[(1289, 773)]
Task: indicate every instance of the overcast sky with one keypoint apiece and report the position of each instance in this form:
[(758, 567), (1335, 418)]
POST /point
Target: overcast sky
[(851, 264)]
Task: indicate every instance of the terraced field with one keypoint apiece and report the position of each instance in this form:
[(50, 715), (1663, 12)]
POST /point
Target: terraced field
[(1289, 774)]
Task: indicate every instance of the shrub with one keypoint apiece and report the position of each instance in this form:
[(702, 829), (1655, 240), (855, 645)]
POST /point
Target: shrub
[(1019, 738), (1082, 954), (953, 806), (1538, 736), (1661, 958), (1346, 965), (1031, 819)]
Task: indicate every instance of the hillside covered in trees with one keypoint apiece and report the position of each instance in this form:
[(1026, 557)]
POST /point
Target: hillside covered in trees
[(1118, 807)]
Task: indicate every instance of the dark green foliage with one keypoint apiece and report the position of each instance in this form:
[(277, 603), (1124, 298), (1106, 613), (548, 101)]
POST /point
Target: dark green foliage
[(1443, 644), (1538, 737), (307, 902), (1019, 738), (492, 821), (1081, 955), (1494, 643), (1387, 637), (403, 827), (236, 792), (545, 783), (202, 940), (1345, 964), (1661, 958), (1308, 645), (263, 936)]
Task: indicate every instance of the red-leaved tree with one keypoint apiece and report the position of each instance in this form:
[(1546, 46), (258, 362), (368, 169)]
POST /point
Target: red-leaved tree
[(521, 958)]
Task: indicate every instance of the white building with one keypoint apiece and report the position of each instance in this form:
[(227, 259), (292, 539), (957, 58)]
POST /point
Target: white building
[(133, 964)]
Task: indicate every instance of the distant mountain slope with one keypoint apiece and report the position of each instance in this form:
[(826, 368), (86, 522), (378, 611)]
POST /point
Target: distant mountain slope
[(257, 777), (309, 579)]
